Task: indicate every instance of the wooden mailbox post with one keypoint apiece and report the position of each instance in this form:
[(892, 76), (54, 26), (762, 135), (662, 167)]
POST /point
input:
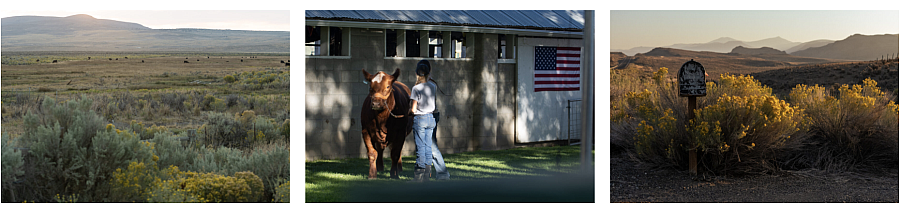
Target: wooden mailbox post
[(692, 84)]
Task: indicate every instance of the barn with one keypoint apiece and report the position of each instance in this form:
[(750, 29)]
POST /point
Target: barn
[(484, 62)]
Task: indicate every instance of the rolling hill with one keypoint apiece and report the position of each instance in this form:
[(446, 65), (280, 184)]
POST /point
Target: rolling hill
[(715, 63), (752, 51), (856, 47), (810, 44), (85, 33)]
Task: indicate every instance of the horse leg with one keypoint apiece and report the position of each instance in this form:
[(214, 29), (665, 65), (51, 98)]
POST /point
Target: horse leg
[(396, 159)]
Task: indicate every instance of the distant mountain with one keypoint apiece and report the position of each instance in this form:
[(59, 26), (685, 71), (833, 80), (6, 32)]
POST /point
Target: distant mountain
[(86, 33), (815, 43), (633, 51), (755, 51), (723, 40), (856, 47), (775, 43), (720, 45), (723, 47), (726, 44), (24, 25)]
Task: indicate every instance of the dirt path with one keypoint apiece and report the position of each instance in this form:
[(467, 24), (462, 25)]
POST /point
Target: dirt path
[(631, 181)]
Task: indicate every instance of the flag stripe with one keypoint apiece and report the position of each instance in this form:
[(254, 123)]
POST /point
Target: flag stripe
[(555, 89), (556, 82), (556, 75), (555, 86), (544, 79)]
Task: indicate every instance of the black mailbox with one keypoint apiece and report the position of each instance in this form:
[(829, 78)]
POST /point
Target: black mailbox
[(692, 80)]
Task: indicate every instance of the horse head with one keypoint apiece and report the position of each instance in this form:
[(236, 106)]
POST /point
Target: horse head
[(380, 89)]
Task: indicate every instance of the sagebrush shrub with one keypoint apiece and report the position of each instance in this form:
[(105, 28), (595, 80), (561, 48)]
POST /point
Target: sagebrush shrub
[(269, 165), (78, 158), (171, 152), (12, 167)]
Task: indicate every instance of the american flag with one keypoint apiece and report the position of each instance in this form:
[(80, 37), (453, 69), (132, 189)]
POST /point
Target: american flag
[(557, 68)]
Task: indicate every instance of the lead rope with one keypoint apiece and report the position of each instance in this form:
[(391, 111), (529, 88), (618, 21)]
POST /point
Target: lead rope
[(436, 85)]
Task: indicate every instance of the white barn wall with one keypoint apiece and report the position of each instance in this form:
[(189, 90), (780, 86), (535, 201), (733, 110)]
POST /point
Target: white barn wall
[(541, 116)]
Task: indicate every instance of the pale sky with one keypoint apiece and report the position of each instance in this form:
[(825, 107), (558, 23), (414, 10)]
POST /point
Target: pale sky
[(261, 20), (632, 28)]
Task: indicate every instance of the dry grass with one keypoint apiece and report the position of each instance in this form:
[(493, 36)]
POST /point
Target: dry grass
[(104, 80), (153, 73)]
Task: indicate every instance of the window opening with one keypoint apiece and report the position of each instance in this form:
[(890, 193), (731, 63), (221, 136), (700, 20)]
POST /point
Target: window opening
[(435, 42), (335, 41), (457, 46), (412, 43), (390, 36), (313, 42)]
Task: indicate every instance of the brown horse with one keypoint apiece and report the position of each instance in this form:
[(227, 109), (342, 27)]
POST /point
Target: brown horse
[(385, 121)]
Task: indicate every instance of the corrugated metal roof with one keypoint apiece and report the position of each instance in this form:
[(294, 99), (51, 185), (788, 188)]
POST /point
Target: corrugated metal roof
[(546, 19)]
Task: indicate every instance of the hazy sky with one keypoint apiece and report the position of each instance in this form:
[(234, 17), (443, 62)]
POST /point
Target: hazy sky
[(630, 29), (269, 20)]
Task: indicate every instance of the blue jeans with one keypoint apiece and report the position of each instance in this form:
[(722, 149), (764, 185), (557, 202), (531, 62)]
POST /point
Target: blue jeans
[(438, 159), (423, 130)]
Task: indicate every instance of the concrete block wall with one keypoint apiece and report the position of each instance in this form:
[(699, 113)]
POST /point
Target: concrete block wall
[(477, 112)]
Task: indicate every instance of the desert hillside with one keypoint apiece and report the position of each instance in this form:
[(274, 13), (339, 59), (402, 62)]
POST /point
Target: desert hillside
[(85, 33), (753, 51), (714, 63), (856, 47), (831, 75)]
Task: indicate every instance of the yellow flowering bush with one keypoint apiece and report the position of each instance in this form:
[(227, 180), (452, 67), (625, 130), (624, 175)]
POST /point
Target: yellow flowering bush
[(737, 133), (210, 187), (855, 125), (144, 182), (283, 192), (734, 124)]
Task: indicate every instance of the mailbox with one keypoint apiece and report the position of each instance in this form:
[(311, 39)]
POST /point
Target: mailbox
[(692, 80)]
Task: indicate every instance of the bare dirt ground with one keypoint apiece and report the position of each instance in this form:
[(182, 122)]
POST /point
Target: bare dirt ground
[(632, 181)]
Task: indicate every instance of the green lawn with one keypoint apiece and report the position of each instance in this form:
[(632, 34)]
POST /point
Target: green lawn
[(514, 175)]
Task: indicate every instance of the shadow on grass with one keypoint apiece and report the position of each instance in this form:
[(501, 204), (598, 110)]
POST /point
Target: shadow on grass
[(537, 174)]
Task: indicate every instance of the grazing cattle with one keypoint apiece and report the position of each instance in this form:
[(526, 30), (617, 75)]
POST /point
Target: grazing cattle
[(185, 62), (242, 60), (198, 60), (384, 120), (287, 64), (282, 61), (89, 58), (38, 60), (54, 61), (110, 59), (117, 59), (126, 57), (142, 61)]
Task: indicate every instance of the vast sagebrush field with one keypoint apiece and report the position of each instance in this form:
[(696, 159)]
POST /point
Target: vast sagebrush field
[(145, 127)]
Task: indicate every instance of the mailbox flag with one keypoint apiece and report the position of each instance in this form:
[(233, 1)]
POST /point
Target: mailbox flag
[(557, 68)]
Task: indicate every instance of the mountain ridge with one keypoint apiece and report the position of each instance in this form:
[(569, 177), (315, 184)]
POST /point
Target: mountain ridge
[(856, 47), (83, 32)]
